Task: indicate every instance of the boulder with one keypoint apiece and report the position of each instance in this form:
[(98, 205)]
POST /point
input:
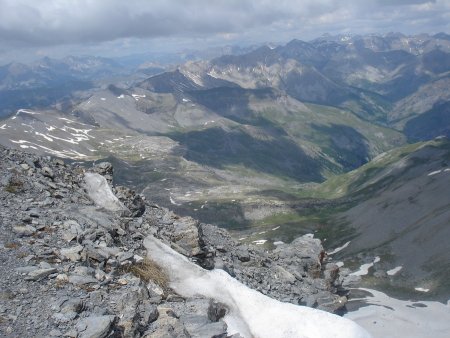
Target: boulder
[(94, 326)]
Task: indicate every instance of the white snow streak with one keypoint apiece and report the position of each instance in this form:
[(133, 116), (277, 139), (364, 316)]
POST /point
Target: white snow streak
[(422, 289), (339, 248), (250, 313), (364, 269), (435, 172), (394, 271)]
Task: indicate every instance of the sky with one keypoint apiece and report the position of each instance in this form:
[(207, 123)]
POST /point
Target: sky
[(36, 28)]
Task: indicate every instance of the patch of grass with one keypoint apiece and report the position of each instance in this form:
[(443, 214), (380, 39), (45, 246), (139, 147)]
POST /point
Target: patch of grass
[(147, 270), (12, 245), (14, 185)]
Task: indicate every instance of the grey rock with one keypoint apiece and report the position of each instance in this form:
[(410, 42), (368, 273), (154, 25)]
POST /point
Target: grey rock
[(242, 253), (24, 230), (104, 168), (25, 269), (131, 200), (47, 172), (94, 326), (73, 230), (125, 256), (72, 253), (39, 274), (131, 305), (167, 325), (199, 326), (216, 311), (81, 280)]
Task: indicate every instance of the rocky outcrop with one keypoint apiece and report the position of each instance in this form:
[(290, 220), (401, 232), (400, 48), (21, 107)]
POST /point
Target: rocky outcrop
[(73, 262)]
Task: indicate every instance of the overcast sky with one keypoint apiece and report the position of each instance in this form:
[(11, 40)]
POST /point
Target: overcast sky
[(114, 27)]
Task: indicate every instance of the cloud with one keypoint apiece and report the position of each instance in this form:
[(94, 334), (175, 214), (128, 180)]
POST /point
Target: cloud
[(28, 23)]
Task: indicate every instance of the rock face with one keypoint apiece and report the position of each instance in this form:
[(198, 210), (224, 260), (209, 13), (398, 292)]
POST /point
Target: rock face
[(72, 259)]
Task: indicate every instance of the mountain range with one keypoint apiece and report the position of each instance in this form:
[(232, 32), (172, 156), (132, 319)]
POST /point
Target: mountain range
[(335, 136)]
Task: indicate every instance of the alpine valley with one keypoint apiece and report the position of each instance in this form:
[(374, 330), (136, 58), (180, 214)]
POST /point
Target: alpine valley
[(342, 137)]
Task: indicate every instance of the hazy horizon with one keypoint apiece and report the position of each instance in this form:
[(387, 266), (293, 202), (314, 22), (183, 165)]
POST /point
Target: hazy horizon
[(30, 29)]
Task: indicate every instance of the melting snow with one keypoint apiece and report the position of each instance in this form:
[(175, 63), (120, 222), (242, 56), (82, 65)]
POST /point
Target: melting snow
[(339, 248), (364, 269), (100, 192), (394, 271), (276, 228), (50, 128), (173, 201), (121, 96), (26, 111), (250, 313), (3, 127), (278, 243), (384, 316), (435, 172), (260, 241), (70, 153), (103, 99), (137, 96), (422, 289), (70, 121), (44, 136)]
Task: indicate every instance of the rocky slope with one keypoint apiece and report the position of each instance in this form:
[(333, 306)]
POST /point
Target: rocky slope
[(74, 265)]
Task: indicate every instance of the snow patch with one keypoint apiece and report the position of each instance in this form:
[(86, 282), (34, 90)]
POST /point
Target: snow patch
[(70, 153), (339, 248), (394, 271), (250, 313), (364, 269), (3, 127), (384, 316), (173, 201), (276, 228), (260, 241), (103, 99), (276, 243), (26, 111), (70, 121), (422, 289), (99, 191), (137, 96), (435, 172), (44, 136)]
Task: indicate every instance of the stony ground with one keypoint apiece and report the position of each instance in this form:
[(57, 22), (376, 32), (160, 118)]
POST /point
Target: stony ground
[(72, 267)]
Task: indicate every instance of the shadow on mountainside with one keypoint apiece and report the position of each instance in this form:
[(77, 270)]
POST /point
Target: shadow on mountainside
[(278, 156), (345, 144)]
